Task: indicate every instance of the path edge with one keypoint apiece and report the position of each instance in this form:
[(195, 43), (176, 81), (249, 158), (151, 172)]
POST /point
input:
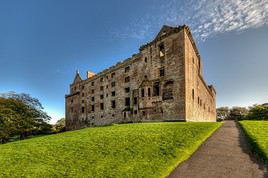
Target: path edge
[(198, 144), (254, 146)]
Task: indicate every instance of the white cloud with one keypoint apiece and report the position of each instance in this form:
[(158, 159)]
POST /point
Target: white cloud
[(206, 18)]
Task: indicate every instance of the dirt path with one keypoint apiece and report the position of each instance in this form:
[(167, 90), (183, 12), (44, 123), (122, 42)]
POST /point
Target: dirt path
[(224, 155)]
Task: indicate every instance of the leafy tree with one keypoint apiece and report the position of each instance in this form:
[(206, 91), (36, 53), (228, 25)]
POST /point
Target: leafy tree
[(258, 112), (8, 119), (60, 125), (223, 113), (22, 115), (33, 103), (238, 113)]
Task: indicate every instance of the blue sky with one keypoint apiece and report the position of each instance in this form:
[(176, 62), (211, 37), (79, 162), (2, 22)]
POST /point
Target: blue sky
[(43, 42)]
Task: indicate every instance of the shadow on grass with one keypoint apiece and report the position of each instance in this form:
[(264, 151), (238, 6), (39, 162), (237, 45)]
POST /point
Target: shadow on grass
[(252, 149)]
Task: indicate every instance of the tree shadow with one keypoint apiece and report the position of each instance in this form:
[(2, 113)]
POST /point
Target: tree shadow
[(244, 142)]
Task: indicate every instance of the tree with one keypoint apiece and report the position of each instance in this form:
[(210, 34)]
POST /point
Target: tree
[(33, 103), (8, 119), (60, 125), (238, 113), (22, 115), (258, 112), (223, 113)]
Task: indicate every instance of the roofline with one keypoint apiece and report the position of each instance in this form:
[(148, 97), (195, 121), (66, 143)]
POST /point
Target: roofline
[(175, 30), (112, 68)]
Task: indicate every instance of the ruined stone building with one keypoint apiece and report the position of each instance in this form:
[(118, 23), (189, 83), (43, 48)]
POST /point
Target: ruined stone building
[(163, 82)]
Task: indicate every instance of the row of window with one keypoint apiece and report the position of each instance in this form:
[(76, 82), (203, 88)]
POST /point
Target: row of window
[(127, 80), (135, 112), (113, 105), (199, 101), (102, 96), (127, 69), (154, 92)]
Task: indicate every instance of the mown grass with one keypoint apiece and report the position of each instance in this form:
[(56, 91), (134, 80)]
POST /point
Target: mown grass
[(257, 133), (128, 150)]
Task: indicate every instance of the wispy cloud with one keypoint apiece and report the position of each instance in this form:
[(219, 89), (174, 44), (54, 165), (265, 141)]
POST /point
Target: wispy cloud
[(206, 18)]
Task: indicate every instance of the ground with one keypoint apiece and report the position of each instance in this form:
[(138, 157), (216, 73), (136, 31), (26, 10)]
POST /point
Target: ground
[(225, 154), (127, 150)]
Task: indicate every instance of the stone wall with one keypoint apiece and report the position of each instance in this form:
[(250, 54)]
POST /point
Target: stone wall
[(200, 98), (152, 85)]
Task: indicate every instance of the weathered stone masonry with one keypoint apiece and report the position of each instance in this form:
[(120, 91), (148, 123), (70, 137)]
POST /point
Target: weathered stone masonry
[(163, 82)]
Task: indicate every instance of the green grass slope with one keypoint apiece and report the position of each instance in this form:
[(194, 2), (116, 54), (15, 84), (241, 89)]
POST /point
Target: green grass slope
[(257, 133), (128, 150)]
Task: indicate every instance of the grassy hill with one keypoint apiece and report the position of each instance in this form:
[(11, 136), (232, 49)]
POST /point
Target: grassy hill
[(257, 132), (128, 150)]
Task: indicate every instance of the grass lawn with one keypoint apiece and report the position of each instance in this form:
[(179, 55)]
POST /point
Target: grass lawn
[(127, 150), (257, 132)]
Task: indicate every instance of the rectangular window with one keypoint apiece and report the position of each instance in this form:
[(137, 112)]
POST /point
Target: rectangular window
[(92, 98), (127, 101), (101, 96), (113, 75), (92, 83), (162, 72), (161, 50), (101, 79), (142, 92), (92, 108), (101, 88), (113, 93), (145, 59), (193, 94), (143, 113), (156, 90), (127, 69), (135, 102), (149, 92), (113, 84), (127, 79), (127, 90), (83, 109), (92, 91), (113, 104), (102, 106)]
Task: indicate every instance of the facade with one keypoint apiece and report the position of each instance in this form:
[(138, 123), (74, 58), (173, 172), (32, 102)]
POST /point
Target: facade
[(163, 82)]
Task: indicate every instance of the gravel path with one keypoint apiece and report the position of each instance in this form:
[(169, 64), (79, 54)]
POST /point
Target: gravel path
[(224, 155)]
